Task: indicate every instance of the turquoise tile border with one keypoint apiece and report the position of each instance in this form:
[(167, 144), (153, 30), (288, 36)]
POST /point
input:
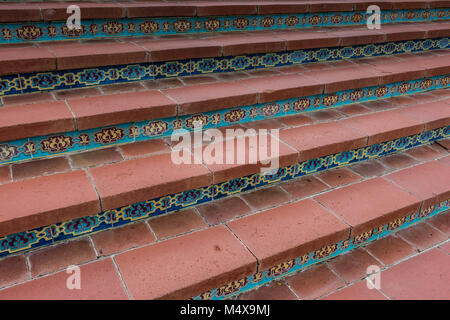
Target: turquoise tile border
[(91, 77), (290, 267), (23, 241), (138, 27), (93, 139)]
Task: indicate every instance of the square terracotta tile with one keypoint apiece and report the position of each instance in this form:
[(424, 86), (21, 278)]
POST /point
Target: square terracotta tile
[(13, 270), (419, 278), (422, 236), (267, 197), (314, 282), (441, 222), (119, 239), (353, 266), (40, 167), (338, 177), (391, 249), (176, 223), (224, 209), (61, 256), (304, 187)]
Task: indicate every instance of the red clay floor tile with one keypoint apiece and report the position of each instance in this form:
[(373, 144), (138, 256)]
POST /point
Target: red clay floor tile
[(441, 222), (422, 236), (98, 280), (398, 161), (419, 278), (338, 177), (137, 149), (370, 168), (304, 187), (267, 197), (353, 265), (120, 239), (198, 262), (60, 256), (13, 270), (391, 249), (93, 158), (314, 282), (5, 174), (40, 167), (223, 210), (176, 223), (423, 153)]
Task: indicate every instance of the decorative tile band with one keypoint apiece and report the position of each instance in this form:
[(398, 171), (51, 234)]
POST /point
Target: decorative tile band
[(75, 141), (292, 266), (27, 240), (91, 77), (138, 27)]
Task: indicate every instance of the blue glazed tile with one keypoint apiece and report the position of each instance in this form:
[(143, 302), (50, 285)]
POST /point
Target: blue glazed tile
[(27, 240), (137, 211), (152, 129), (11, 84), (80, 78), (235, 186), (105, 28), (190, 198), (15, 151), (80, 226)]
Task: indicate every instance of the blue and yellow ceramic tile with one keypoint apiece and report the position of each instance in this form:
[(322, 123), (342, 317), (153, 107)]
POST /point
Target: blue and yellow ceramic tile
[(81, 226), (152, 129), (190, 198), (14, 151), (88, 77), (22, 241), (104, 28), (137, 211)]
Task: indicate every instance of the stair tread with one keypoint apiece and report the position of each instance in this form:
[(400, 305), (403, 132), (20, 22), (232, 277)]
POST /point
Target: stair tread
[(57, 55), (299, 228), (48, 11), (139, 181), (210, 256), (217, 255), (35, 203), (148, 104)]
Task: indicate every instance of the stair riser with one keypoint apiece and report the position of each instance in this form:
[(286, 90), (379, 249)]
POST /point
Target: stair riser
[(322, 254), (93, 139), (113, 28), (92, 77), (42, 236)]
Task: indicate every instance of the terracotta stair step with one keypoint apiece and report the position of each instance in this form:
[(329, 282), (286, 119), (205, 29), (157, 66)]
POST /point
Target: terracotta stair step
[(52, 56), (48, 11), (277, 236), (154, 176), (219, 261), (76, 114)]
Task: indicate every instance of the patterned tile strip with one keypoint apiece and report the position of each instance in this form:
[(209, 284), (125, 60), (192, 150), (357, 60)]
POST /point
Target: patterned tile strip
[(292, 266), (113, 28), (91, 77), (70, 142), (39, 237)]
